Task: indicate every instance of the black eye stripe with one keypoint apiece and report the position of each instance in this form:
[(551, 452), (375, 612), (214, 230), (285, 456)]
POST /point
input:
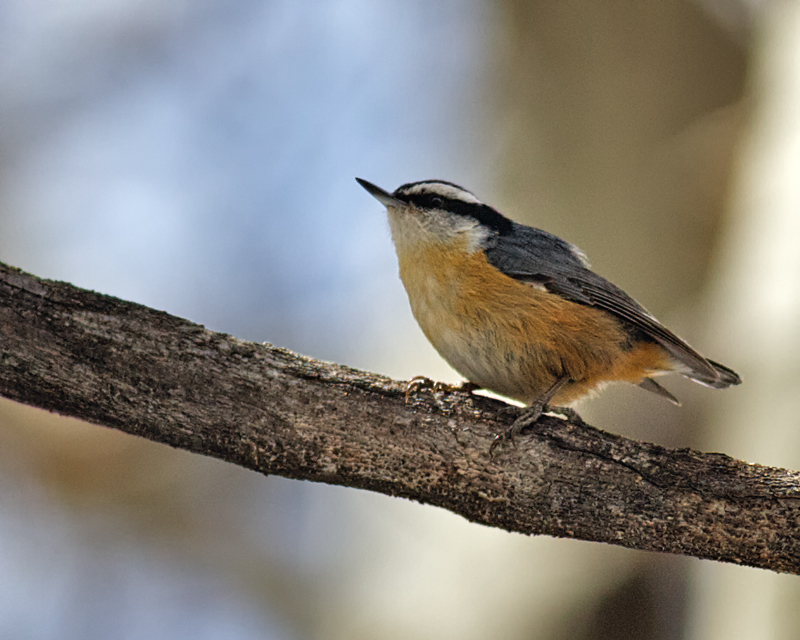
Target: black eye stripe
[(429, 201), (478, 211)]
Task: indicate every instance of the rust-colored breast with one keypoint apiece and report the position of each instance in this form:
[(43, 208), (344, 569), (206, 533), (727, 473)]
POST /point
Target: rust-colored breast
[(515, 338)]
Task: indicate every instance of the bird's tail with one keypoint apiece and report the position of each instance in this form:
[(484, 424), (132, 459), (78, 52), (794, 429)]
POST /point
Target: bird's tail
[(723, 379)]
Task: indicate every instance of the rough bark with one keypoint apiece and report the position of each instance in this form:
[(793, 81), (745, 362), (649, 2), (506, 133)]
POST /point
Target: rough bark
[(125, 366)]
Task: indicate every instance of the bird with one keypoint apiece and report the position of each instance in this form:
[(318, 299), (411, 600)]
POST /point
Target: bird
[(518, 311)]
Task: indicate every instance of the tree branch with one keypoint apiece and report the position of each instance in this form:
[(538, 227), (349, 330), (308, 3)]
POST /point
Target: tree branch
[(125, 366)]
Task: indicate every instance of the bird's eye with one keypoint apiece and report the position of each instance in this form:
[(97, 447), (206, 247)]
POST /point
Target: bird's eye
[(436, 201)]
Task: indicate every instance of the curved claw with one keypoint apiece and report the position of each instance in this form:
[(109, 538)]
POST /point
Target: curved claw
[(531, 415), (528, 417), (418, 383)]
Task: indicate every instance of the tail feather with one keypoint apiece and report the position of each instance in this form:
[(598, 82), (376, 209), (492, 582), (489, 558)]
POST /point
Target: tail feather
[(724, 378), (648, 384)]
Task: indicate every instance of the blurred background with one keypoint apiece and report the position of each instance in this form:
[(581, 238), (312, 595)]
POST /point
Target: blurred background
[(198, 156)]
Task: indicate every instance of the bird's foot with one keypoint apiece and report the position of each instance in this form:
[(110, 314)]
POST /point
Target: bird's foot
[(528, 417), (418, 383), (533, 413)]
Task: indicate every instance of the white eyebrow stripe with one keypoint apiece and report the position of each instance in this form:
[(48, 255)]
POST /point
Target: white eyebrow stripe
[(441, 189)]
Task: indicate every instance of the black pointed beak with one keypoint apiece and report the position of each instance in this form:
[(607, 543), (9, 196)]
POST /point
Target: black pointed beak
[(384, 197)]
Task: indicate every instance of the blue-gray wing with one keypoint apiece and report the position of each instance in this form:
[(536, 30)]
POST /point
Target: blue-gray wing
[(538, 257)]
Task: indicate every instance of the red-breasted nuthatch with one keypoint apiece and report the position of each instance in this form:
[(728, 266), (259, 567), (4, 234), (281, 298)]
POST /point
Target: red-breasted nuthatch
[(517, 311)]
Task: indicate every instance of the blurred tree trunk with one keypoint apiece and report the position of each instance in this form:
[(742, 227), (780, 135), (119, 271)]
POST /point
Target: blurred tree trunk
[(757, 308), (620, 121)]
